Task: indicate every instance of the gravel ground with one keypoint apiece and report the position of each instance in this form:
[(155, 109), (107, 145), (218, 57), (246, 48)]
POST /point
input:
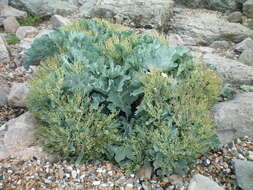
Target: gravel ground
[(60, 175)]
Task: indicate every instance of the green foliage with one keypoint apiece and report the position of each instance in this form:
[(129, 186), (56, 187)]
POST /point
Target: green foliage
[(227, 92), (31, 20), (11, 39), (247, 88), (103, 92)]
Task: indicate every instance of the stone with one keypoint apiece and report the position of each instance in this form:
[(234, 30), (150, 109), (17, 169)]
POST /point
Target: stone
[(235, 17), (11, 24), (18, 94), (231, 71), (137, 13), (220, 45), (247, 57), (218, 5), (4, 91), (4, 53), (200, 182), (144, 173), (58, 21), (244, 173), (7, 11), (202, 27), (26, 32), (245, 44), (45, 7), (175, 40), (4, 3), (234, 118), (248, 8)]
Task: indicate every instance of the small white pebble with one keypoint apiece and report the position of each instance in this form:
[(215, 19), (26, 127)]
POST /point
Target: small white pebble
[(74, 174), (132, 175), (96, 182), (250, 157)]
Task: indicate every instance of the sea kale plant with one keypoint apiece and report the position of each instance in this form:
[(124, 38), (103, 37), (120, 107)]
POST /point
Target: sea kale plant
[(104, 92)]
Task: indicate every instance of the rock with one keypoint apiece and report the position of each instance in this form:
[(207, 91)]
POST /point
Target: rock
[(4, 3), (202, 27), (45, 7), (231, 71), (244, 174), (4, 54), (247, 57), (7, 11), (138, 13), (220, 45), (218, 5), (200, 182), (250, 156), (18, 94), (20, 140), (144, 173), (234, 118), (248, 8), (245, 44), (235, 17), (4, 91), (26, 32), (173, 179), (58, 21), (175, 40), (11, 24)]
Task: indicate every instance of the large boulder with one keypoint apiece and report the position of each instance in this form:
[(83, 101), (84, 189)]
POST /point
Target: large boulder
[(45, 7), (218, 5), (4, 54), (231, 71), (200, 182), (4, 3), (244, 45), (248, 8), (138, 13), (247, 57), (234, 118), (11, 24), (244, 174), (202, 27)]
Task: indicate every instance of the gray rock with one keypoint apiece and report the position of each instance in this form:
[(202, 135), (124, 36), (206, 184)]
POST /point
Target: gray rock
[(58, 21), (4, 3), (244, 174), (20, 140), (4, 91), (248, 8), (231, 71), (202, 27), (4, 54), (247, 57), (235, 17), (45, 7), (234, 118), (144, 173), (11, 24), (139, 13), (218, 5), (18, 94), (245, 44), (26, 32), (6, 11), (220, 45), (200, 182)]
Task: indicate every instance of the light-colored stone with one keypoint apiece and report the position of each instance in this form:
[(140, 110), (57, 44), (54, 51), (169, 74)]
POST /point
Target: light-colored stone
[(45, 7), (202, 27), (247, 57), (4, 91), (11, 24), (245, 44), (4, 3), (7, 11), (220, 45), (18, 94), (58, 21), (138, 13), (234, 118), (144, 173), (26, 32), (248, 8), (235, 17), (200, 182), (4, 53), (244, 174), (231, 71)]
